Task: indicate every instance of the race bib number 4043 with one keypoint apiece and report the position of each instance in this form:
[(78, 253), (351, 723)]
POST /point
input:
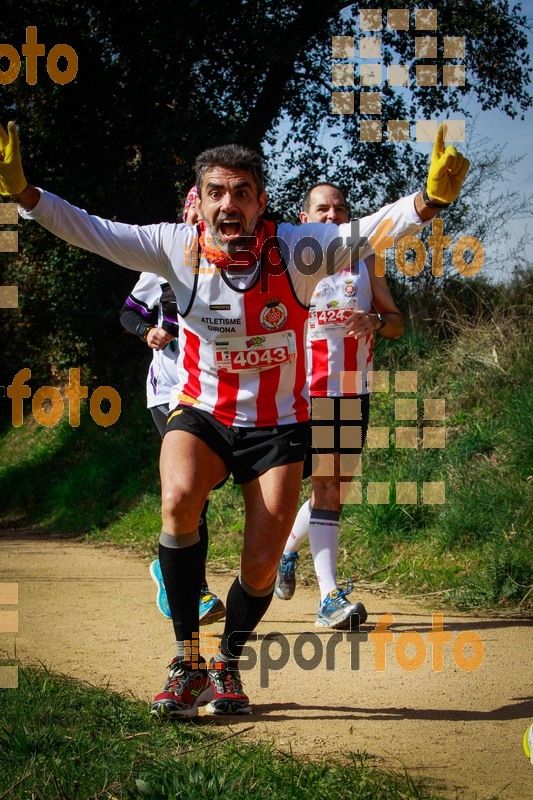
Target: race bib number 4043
[(254, 353)]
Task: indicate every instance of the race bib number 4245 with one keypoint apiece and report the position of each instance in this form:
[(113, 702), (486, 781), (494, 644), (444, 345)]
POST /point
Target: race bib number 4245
[(254, 353), (329, 323)]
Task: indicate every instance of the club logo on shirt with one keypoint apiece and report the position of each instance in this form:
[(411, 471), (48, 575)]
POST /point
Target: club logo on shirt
[(274, 315), (349, 288)]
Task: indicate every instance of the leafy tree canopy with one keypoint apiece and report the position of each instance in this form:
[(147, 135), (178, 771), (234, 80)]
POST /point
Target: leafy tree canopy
[(160, 81)]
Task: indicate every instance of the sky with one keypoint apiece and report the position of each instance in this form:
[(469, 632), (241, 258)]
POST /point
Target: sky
[(492, 126), (517, 135)]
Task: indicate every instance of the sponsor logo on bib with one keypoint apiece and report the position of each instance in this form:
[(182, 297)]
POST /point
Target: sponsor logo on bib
[(255, 341)]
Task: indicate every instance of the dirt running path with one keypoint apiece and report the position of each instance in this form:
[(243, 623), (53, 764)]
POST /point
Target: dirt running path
[(89, 612)]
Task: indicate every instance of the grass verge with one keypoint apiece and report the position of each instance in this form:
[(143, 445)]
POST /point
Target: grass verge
[(63, 739)]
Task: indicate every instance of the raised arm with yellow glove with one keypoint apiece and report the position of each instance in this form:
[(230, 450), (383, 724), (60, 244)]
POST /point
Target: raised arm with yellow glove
[(12, 180), (447, 172)]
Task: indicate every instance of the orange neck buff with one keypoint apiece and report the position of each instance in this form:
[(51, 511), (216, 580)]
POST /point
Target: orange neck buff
[(240, 258)]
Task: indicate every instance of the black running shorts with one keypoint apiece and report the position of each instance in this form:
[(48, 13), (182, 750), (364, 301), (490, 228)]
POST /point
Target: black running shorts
[(339, 426), (247, 452), (339, 423)]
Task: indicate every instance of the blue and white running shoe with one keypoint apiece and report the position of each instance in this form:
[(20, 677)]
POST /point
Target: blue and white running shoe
[(336, 612), (162, 599), (211, 606)]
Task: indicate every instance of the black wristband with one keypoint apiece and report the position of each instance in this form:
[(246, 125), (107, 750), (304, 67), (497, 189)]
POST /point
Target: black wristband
[(431, 203)]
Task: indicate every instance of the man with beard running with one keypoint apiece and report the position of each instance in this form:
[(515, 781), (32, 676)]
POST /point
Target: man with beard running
[(150, 312), (243, 290)]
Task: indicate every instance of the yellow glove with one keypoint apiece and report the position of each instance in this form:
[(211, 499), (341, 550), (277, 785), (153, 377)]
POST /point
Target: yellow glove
[(447, 171), (12, 180)]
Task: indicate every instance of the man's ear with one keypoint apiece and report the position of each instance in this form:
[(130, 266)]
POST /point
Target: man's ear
[(198, 204), (303, 217), (262, 202)]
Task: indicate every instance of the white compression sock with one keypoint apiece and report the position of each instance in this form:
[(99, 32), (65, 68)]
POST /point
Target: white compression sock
[(324, 543), (300, 529)]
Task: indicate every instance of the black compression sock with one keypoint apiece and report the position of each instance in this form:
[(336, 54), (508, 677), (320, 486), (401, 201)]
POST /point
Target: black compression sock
[(204, 539), (181, 568), (243, 613)]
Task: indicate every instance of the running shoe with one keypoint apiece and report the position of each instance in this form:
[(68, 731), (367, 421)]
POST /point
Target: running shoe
[(186, 689), (228, 696), (162, 599), (336, 612), (286, 577), (211, 607), (527, 743)]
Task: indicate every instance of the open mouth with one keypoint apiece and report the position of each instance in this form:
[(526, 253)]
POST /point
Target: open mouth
[(230, 228)]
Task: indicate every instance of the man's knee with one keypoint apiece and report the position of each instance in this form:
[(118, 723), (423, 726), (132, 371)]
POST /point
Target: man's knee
[(258, 570), (177, 501)]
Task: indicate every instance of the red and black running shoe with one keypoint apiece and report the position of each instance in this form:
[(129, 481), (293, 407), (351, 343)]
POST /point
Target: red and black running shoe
[(187, 687), (228, 696)]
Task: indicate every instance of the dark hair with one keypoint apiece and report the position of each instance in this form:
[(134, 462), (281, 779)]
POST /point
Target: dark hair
[(231, 156), (306, 202)]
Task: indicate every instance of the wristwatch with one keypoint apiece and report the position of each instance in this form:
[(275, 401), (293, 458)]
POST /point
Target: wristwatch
[(382, 321), (433, 203), (143, 330)]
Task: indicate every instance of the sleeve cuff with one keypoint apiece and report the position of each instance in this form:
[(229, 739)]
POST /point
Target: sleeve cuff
[(37, 209)]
